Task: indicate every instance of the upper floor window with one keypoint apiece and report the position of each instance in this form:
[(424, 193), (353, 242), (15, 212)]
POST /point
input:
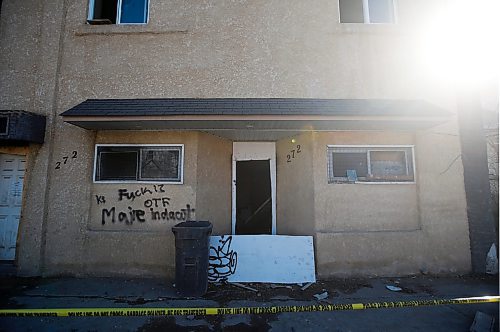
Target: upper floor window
[(366, 11), (118, 12)]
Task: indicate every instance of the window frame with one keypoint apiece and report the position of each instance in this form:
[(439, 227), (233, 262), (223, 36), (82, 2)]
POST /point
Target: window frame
[(181, 163), (373, 148), (366, 14), (118, 13)]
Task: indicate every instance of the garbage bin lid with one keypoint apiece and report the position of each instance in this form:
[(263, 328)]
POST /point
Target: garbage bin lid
[(193, 224)]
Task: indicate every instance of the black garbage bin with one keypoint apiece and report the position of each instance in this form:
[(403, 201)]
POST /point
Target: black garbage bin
[(191, 257)]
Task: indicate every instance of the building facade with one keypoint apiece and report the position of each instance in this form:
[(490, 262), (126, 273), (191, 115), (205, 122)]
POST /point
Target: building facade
[(263, 117)]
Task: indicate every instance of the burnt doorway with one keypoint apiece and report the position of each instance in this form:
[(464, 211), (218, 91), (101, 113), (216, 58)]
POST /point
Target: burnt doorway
[(253, 197), (254, 188)]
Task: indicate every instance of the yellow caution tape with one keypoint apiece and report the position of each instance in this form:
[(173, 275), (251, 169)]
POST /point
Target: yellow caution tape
[(107, 312)]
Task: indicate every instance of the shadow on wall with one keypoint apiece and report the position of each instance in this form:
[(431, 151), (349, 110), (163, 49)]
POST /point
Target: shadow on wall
[(490, 123)]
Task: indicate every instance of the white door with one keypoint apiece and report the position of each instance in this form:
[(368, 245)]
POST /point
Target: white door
[(11, 189), (254, 188)]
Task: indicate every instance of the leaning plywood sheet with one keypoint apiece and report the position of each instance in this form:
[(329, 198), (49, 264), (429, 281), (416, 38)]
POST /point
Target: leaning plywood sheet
[(261, 258)]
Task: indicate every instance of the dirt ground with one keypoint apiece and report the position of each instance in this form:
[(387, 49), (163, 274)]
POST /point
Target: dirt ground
[(141, 293)]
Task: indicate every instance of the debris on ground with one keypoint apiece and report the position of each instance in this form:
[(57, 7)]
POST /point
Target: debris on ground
[(492, 260), (321, 296), (274, 286), (237, 284), (482, 323), (393, 288), (306, 286)]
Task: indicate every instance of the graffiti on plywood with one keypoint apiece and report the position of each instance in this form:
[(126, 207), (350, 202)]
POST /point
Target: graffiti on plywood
[(222, 260), (262, 258)]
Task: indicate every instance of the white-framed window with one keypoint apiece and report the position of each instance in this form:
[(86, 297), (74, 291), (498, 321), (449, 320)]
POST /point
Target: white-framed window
[(371, 163), (139, 163), (118, 12), (367, 11)]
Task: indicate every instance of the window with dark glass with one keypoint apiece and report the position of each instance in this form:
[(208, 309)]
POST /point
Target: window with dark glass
[(118, 11), (139, 163), (4, 125), (348, 164)]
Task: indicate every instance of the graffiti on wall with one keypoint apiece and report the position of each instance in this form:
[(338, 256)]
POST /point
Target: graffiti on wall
[(154, 206), (100, 199), (222, 260), (143, 191)]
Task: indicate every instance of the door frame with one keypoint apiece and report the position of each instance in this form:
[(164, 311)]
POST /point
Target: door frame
[(244, 151)]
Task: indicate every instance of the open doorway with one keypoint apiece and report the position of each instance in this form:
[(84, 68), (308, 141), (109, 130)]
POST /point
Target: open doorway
[(254, 188), (253, 197)]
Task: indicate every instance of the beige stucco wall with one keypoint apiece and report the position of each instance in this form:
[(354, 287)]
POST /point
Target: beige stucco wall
[(173, 197), (132, 247), (213, 187), (52, 61), (388, 229), (295, 186)]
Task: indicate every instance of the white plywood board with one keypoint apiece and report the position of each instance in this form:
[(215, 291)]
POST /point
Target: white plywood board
[(262, 258)]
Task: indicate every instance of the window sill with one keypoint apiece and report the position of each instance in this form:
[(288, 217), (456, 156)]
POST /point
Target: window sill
[(126, 29), (369, 28), (375, 182), (137, 182)]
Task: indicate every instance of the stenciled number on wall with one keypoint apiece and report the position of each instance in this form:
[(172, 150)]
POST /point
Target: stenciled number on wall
[(65, 159), (292, 154)]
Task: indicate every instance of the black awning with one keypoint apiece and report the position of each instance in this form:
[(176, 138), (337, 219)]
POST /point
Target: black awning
[(21, 127), (254, 106), (228, 115)]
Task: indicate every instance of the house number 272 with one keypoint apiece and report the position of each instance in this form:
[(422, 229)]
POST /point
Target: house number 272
[(65, 160), (292, 154)]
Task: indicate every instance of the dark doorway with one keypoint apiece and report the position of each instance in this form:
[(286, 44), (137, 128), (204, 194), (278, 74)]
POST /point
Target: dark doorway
[(253, 197)]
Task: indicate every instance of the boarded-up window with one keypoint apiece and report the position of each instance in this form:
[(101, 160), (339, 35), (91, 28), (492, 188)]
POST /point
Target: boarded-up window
[(133, 163), (370, 164)]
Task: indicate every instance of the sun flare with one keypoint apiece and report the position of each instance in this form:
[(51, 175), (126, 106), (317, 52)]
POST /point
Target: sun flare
[(460, 44)]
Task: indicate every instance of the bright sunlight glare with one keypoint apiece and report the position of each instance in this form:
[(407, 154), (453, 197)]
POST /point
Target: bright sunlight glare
[(460, 43)]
